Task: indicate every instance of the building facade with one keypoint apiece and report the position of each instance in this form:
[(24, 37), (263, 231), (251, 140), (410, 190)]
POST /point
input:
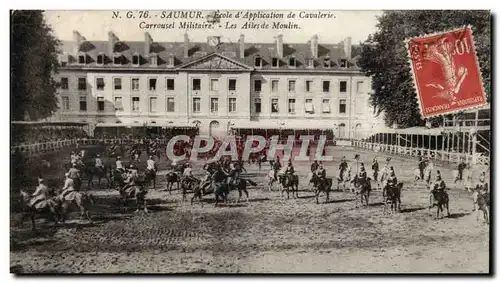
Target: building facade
[(215, 86)]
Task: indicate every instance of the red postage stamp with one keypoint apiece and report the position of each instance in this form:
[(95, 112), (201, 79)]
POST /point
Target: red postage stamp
[(446, 72)]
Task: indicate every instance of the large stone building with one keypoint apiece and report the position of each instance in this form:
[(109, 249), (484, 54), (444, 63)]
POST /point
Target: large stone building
[(215, 85)]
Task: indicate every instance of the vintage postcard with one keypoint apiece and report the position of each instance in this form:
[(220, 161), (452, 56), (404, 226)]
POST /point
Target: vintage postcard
[(250, 141)]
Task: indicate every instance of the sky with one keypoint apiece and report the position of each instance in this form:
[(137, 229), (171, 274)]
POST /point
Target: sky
[(94, 25)]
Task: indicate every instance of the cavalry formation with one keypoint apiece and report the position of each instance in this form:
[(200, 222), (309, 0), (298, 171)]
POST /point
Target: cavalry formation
[(225, 175)]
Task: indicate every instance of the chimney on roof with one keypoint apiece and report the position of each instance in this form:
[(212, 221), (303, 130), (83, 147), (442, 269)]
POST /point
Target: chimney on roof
[(186, 45), (242, 46), (314, 46), (77, 40), (347, 47), (147, 43), (112, 40), (279, 46)]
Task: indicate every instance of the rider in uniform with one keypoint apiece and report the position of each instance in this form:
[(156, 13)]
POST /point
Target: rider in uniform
[(119, 165), (69, 186), (72, 157), (375, 168), (460, 168), (439, 185), (151, 165), (74, 174), (98, 162), (41, 193), (321, 173), (132, 176), (392, 180), (276, 167), (421, 166), (188, 173), (314, 166), (362, 176), (342, 167)]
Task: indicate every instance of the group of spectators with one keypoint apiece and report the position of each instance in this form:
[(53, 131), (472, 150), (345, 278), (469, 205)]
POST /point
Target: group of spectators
[(25, 135)]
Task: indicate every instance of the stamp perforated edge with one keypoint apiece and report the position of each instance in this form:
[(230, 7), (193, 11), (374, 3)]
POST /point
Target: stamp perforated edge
[(468, 108)]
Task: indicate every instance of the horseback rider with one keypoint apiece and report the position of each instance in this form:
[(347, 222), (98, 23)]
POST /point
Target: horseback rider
[(342, 167), (392, 180), (461, 166), (132, 176), (289, 168), (98, 162), (321, 173), (375, 168), (151, 165), (119, 165), (362, 176), (73, 157), (276, 167), (421, 166), (481, 185), (74, 174), (187, 174), (69, 186), (439, 185), (314, 166), (41, 193)]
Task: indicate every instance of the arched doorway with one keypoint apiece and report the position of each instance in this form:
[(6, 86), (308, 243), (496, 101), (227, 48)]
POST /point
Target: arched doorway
[(342, 131), (357, 131), (213, 125)]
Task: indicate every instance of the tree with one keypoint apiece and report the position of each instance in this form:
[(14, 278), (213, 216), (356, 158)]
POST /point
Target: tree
[(384, 57), (34, 61)]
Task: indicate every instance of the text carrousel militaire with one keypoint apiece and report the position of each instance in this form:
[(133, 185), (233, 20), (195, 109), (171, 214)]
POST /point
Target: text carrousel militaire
[(232, 19)]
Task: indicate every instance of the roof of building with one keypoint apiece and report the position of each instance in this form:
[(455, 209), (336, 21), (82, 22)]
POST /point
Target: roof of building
[(266, 51)]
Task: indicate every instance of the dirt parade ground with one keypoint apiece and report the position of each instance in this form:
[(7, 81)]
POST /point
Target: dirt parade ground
[(266, 234)]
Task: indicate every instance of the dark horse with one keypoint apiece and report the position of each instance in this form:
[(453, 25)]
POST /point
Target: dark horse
[(392, 194), (150, 175), (439, 199), (48, 208), (137, 192), (172, 177), (241, 185), (289, 182), (362, 189), (321, 186), (92, 171)]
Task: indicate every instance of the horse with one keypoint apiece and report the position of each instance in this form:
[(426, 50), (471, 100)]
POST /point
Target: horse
[(392, 194), (482, 204), (150, 175), (241, 186), (47, 208), (137, 192), (172, 177), (188, 186), (362, 189), (81, 200), (319, 187), (343, 178), (439, 199), (99, 172), (289, 182), (271, 179)]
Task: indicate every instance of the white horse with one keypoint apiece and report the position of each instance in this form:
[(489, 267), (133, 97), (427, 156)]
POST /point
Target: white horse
[(344, 179)]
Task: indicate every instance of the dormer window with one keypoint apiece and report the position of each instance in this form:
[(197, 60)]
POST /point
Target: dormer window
[(343, 63), (275, 62), (310, 63), (64, 59), (117, 60), (171, 60), (153, 59), (100, 59), (292, 62), (82, 58), (135, 59), (327, 63), (258, 62)]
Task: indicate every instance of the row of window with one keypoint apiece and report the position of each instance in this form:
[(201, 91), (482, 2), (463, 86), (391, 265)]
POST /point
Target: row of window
[(214, 85), (327, 62), (326, 86), (119, 59), (214, 105)]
